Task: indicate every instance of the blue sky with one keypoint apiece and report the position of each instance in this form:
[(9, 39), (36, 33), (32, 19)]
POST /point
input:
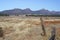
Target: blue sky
[(32, 4)]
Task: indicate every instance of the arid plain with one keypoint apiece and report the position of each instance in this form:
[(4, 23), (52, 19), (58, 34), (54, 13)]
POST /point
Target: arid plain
[(28, 28)]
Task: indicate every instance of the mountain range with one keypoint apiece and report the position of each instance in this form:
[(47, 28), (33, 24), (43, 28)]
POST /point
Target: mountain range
[(18, 11)]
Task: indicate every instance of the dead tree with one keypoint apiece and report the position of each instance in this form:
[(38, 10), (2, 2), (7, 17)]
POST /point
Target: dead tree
[(53, 34), (43, 28)]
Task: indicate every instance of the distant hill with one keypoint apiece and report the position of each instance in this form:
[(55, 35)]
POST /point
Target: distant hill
[(17, 11)]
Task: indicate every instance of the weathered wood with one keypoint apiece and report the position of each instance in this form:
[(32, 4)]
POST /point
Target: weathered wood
[(43, 28), (1, 33), (53, 34)]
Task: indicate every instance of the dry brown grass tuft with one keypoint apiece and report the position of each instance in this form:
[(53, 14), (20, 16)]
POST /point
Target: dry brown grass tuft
[(25, 28)]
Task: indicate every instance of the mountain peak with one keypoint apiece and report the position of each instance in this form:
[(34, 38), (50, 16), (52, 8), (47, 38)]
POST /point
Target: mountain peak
[(43, 10), (16, 9), (27, 9)]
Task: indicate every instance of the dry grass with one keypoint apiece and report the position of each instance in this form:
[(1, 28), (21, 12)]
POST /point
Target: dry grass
[(27, 28)]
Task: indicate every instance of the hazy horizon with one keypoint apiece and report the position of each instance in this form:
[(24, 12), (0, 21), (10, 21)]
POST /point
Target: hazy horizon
[(30, 9), (52, 5)]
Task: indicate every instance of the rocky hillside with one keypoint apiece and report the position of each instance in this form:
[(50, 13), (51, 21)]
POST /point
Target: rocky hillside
[(18, 11)]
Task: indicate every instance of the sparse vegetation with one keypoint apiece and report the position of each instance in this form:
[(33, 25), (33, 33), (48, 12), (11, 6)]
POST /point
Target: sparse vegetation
[(1, 14), (28, 28)]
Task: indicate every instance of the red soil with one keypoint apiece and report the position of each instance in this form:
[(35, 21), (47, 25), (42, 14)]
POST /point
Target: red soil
[(54, 22), (51, 22)]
